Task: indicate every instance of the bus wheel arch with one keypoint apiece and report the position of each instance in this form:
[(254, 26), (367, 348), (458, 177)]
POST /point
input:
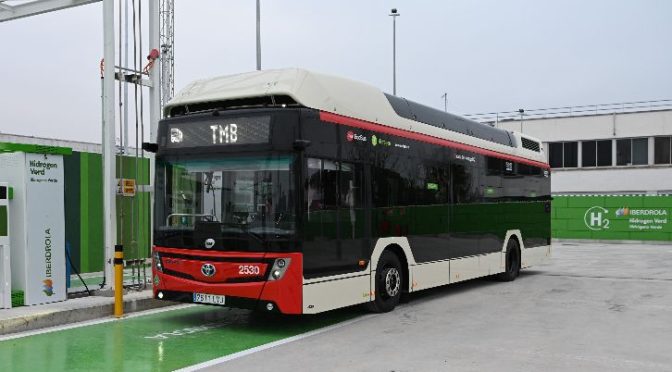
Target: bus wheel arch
[(512, 258)]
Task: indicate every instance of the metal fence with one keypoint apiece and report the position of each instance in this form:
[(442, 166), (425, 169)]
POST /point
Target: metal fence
[(568, 111)]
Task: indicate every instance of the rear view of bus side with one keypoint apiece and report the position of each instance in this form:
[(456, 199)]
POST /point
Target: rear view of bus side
[(296, 192)]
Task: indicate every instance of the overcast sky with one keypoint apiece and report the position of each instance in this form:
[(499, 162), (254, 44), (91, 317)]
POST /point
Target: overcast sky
[(487, 55)]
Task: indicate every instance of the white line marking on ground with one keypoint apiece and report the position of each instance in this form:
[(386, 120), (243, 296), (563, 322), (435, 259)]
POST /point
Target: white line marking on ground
[(240, 354), (92, 322)]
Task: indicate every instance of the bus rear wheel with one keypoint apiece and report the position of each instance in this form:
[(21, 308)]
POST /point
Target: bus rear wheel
[(512, 262), (388, 282)]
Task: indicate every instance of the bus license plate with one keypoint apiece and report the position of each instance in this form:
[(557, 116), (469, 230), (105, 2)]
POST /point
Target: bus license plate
[(205, 298)]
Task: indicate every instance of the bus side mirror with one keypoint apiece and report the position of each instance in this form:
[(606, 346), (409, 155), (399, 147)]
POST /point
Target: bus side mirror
[(150, 147)]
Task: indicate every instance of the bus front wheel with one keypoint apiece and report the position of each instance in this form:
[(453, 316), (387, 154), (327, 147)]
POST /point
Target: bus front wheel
[(388, 281), (512, 268)]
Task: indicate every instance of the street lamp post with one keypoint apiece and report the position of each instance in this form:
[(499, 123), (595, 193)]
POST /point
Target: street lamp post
[(258, 36), (394, 15), (522, 112)]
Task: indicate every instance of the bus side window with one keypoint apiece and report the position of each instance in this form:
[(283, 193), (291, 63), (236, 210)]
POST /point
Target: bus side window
[(314, 185), (331, 185)]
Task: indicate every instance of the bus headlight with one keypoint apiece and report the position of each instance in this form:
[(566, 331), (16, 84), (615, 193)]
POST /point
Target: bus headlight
[(279, 267), (157, 261)]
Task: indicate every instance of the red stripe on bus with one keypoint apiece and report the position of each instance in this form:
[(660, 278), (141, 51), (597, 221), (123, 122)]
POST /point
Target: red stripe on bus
[(362, 124)]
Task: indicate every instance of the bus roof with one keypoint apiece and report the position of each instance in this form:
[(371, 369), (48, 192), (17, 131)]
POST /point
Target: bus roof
[(353, 99)]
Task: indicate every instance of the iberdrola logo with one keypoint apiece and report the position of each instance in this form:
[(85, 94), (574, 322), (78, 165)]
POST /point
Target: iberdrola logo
[(622, 211), (374, 140), (48, 287)]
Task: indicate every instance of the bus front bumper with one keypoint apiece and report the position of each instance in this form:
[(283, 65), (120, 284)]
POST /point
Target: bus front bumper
[(233, 279)]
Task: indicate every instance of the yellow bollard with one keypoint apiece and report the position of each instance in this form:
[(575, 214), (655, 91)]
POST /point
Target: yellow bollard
[(118, 281)]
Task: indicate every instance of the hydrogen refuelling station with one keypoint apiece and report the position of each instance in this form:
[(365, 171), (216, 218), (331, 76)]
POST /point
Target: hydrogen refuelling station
[(172, 204), (37, 220)]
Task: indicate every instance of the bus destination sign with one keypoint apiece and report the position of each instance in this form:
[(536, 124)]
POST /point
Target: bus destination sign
[(218, 132)]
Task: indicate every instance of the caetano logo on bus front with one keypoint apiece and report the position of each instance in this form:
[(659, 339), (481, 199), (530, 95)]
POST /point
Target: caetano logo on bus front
[(596, 219)]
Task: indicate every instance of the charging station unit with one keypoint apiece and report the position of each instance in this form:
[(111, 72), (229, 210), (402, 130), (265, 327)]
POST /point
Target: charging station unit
[(37, 221), (5, 267)]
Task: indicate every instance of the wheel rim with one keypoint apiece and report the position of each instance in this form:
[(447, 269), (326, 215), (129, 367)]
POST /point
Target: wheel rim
[(392, 282)]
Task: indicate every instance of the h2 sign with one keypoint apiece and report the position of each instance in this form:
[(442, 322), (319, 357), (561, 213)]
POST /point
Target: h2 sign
[(596, 218)]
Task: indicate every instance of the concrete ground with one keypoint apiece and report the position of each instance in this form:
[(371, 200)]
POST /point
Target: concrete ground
[(593, 307)]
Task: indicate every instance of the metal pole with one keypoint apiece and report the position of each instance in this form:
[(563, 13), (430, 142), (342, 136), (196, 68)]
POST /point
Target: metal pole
[(125, 139), (155, 100), (109, 160), (154, 73), (258, 35), (445, 101), (394, 55), (394, 14)]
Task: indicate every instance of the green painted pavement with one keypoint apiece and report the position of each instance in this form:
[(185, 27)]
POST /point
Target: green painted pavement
[(157, 342)]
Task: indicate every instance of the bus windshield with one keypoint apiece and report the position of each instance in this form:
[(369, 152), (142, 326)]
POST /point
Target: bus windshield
[(239, 203)]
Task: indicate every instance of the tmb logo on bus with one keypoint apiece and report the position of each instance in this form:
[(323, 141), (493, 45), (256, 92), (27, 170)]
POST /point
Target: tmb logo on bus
[(595, 218), (352, 136)]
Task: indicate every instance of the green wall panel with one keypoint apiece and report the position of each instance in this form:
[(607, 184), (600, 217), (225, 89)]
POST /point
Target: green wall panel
[(620, 201), (91, 208), (3, 220), (615, 217), (84, 210), (71, 170), (580, 202)]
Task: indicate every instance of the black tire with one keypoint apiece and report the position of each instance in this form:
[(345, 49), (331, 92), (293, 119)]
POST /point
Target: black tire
[(512, 269), (388, 280)]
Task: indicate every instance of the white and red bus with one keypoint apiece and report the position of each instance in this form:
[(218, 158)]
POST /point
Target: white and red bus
[(296, 192)]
